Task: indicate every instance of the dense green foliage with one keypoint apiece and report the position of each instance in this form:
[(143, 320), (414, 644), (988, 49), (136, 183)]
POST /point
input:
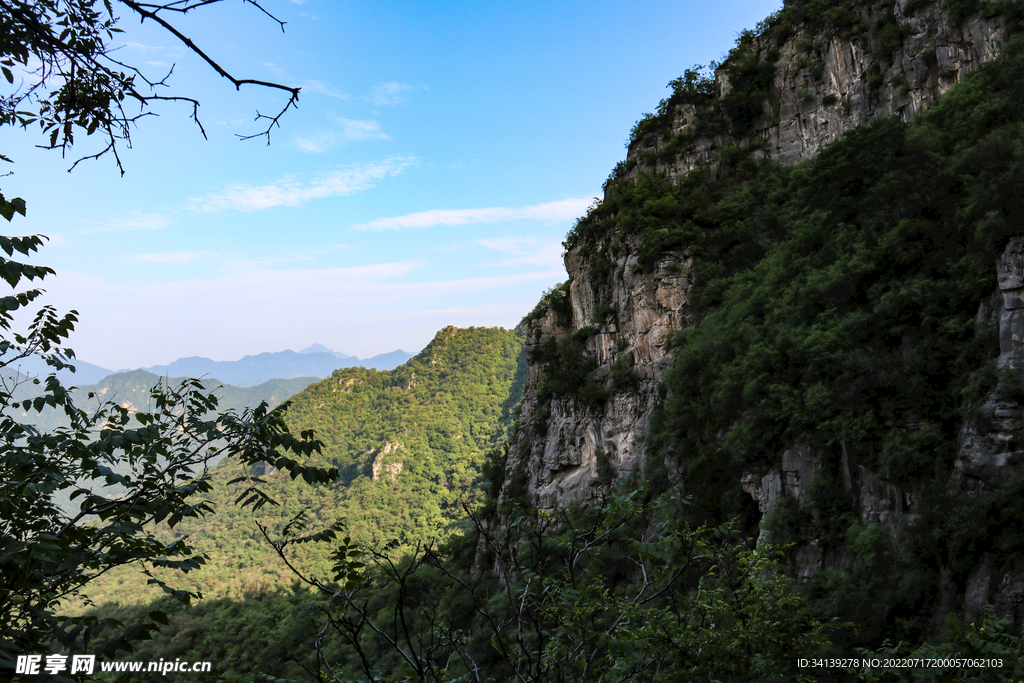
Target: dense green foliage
[(410, 442), (838, 308), (120, 474), (566, 604), (840, 305)]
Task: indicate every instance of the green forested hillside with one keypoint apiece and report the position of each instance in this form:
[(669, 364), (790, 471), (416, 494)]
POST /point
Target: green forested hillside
[(844, 304), (409, 442)]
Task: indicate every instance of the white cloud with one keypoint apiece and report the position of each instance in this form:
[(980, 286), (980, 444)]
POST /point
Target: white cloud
[(144, 47), (526, 251), (297, 2), (322, 88), (294, 191), (320, 141), (172, 257), (274, 68), (564, 209), (388, 94), (362, 130), (351, 131)]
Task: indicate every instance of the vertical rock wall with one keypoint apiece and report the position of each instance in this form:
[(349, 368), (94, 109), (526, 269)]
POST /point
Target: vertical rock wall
[(821, 89), (824, 85), (559, 443)]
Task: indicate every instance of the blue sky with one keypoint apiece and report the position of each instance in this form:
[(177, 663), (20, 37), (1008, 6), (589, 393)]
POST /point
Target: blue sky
[(439, 154)]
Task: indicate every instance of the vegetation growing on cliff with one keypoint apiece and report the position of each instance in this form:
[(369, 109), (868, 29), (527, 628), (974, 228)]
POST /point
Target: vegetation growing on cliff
[(839, 308), (840, 302)]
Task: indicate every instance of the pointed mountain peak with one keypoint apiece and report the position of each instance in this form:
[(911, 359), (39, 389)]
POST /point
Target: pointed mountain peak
[(320, 348)]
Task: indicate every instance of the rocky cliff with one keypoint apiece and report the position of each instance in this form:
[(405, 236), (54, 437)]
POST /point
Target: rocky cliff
[(616, 320), (820, 90), (562, 442), (829, 79)]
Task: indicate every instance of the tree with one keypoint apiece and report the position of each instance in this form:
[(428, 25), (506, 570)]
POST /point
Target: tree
[(72, 81), (123, 471), (115, 471), (619, 591)]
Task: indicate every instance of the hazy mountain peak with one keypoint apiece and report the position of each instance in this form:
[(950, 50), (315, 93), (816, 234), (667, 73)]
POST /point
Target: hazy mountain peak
[(320, 348)]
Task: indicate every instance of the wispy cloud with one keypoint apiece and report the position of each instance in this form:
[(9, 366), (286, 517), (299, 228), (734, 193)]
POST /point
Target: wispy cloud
[(526, 251), (351, 131), (318, 142), (274, 68), (172, 257), (362, 130), (144, 47), (294, 191), (389, 94), (564, 209), (322, 88)]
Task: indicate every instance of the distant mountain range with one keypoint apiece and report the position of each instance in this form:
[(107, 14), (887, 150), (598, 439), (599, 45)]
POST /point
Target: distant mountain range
[(253, 370), (316, 361), (86, 373), (320, 348), (132, 390)]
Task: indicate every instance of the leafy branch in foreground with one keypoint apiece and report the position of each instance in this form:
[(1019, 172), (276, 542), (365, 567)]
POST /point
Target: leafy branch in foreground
[(80, 500)]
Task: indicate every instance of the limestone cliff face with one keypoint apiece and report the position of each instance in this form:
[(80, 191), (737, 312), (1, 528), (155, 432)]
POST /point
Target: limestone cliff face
[(823, 86), (561, 441)]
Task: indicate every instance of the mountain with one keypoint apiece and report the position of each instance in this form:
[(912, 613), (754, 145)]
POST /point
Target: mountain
[(85, 373), (253, 370), (315, 361), (799, 301), (410, 444), (132, 390), (320, 348)]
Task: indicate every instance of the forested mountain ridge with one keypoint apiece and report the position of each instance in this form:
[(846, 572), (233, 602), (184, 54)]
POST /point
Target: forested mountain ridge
[(409, 443)]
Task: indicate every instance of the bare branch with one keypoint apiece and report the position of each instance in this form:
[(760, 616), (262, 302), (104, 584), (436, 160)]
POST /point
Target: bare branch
[(293, 100)]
